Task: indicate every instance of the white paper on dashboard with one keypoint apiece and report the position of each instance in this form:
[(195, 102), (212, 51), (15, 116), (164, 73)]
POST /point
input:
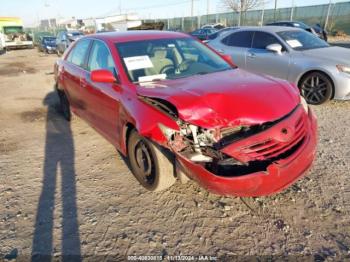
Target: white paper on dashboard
[(138, 62), (151, 78), (294, 43)]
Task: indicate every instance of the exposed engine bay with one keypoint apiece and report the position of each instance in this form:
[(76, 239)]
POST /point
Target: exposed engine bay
[(203, 146)]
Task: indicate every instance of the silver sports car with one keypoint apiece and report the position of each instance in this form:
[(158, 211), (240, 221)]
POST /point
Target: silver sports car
[(321, 71)]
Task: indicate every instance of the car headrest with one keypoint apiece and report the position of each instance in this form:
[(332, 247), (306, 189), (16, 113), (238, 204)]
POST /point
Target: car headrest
[(159, 52)]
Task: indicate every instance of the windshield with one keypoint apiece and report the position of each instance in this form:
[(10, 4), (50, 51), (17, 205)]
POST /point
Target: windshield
[(151, 60), (13, 29), (302, 40)]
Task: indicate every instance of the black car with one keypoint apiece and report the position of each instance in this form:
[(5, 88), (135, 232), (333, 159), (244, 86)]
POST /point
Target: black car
[(321, 34), (65, 38), (203, 33), (47, 44)]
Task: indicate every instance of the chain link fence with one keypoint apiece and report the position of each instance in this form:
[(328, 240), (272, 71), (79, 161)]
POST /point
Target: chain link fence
[(334, 17)]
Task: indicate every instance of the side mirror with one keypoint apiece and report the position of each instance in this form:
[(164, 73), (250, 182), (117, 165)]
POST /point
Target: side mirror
[(228, 59), (276, 48), (102, 76)]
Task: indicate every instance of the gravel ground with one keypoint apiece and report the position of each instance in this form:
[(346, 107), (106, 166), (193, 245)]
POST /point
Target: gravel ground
[(64, 190)]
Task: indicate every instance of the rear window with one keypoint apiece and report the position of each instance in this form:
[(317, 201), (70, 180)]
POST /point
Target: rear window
[(239, 39)]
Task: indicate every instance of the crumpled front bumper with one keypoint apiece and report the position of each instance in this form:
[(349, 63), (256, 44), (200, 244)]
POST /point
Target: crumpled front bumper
[(278, 176)]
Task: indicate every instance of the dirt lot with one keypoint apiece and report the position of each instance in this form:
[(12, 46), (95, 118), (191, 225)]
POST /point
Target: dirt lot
[(65, 190)]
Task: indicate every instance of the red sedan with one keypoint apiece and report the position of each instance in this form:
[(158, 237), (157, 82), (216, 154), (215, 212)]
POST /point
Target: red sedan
[(176, 109)]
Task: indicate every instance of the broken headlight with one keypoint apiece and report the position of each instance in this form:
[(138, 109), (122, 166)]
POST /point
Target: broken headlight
[(167, 131)]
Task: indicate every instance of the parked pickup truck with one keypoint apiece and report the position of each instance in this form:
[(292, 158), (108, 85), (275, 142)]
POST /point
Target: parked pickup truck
[(15, 37)]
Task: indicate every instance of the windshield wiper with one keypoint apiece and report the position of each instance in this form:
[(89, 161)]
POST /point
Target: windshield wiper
[(202, 73)]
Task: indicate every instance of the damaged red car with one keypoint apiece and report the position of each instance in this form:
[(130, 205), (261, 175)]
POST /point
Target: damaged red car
[(177, 110)]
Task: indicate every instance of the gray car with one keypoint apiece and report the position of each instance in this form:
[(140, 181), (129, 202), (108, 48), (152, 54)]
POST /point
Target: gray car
[(321, 71)]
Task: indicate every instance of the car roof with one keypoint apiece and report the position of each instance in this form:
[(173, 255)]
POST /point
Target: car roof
[(271, 29), (289, 22), (137, 35)]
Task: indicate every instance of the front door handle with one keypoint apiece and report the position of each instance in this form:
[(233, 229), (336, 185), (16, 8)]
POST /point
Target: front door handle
[(251, 55), (83, 82)]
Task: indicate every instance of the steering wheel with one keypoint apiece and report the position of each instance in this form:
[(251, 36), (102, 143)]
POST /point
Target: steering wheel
[(184, 65), (166, 68)]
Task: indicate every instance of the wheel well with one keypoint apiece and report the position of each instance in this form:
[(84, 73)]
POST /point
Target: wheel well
[(129, 127), (317, 71)]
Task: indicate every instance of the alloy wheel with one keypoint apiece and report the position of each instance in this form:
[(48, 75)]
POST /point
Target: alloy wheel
[(316, 88)]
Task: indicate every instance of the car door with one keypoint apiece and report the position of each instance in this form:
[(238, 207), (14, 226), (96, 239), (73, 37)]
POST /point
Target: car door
[(102, 98), (261, 60), (236, 45), (73, 71)]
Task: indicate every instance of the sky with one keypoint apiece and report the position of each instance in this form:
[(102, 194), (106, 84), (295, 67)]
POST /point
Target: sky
[(31, 11)]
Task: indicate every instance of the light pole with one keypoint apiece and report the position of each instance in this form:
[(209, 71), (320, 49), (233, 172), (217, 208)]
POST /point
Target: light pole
[(192, 14), (274, 13), (208, 7)]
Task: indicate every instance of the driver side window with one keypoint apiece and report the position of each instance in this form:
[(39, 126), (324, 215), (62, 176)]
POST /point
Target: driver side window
[(261, 40), (100, 58)]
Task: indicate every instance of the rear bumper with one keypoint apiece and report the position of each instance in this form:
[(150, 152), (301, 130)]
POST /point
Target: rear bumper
[(50, 48), (278, 176)]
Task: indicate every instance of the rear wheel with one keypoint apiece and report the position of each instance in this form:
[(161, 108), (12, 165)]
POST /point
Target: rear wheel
[(149, 164), (316, 88)]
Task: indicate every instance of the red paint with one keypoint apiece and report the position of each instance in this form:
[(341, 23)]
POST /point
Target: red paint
[(102, 76), (278, 176), (217, 100)]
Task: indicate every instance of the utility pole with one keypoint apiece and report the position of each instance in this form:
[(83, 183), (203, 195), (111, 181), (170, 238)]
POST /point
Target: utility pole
[(192, 14), (208, 7), (328, 13), (292, 11), (262, 15), (274, 13), (192, 7)]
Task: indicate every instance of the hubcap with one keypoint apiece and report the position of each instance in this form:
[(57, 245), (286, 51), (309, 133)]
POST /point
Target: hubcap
[(314, 89), (143, 159)]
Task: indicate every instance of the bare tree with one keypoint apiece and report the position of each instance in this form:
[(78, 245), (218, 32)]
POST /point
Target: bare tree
[(242, 6)]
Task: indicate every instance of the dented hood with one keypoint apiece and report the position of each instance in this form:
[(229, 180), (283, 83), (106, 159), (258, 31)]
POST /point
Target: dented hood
[(228, 98)]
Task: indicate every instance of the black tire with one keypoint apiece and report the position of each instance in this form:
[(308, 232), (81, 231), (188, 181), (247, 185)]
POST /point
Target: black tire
[(316, 88), (64, 106), (149, 164)]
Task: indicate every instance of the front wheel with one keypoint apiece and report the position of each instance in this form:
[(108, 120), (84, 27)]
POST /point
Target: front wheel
[(149, 164), (316, 88), (65, 106)]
